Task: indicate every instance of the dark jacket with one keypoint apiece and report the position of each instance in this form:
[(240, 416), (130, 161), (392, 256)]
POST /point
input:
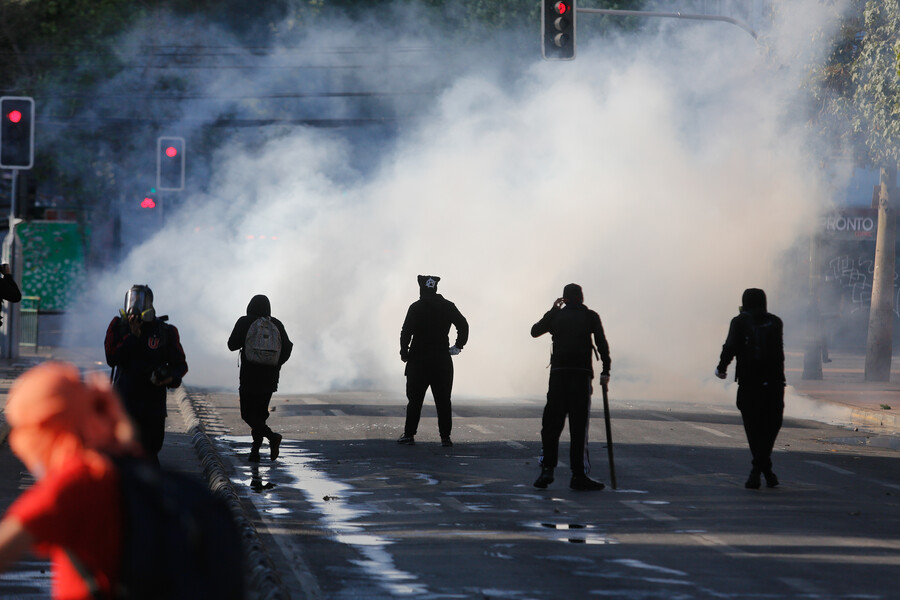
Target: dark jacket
[(135, 358), (572, 327), (756, 338), (9, 290), (426, 330), (253, 377)]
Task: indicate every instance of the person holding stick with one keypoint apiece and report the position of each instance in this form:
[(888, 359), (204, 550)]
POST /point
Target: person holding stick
[(572, 326)]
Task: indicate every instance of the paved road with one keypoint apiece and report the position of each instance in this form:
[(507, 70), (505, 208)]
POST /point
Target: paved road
[(347, 513)]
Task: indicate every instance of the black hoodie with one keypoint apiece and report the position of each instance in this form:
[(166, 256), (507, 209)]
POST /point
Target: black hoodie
[(756, 338), (258, 378)]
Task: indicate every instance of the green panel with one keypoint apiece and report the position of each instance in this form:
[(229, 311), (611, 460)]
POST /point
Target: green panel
[(53, 259)]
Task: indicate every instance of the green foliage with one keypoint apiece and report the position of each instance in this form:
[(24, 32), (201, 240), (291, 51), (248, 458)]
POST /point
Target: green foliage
[(858, 89)]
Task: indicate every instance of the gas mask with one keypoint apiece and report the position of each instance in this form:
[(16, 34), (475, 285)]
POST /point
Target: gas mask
[(139, 301)]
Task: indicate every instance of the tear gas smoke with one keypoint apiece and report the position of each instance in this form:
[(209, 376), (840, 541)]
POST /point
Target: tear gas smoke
[(663, 172)]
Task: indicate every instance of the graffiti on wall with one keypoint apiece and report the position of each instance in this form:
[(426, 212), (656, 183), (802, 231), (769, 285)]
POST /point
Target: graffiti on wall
[(848, 285)]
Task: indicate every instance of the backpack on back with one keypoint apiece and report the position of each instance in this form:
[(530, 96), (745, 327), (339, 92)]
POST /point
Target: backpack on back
[(179, 540), (262, 346), (759, 359)]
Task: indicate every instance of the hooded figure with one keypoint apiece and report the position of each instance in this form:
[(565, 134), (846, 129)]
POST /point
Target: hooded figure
[(425, 348), (259, 381), (756, 338), (146, 356), (576, 330), (64, 429)]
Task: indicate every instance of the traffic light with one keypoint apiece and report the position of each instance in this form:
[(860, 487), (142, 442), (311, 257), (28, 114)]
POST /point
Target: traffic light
[(16, 132), (558, 29), (170, 164), (149, 200)]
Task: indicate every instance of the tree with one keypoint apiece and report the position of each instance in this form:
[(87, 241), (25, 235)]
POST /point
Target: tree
[(860, 102)]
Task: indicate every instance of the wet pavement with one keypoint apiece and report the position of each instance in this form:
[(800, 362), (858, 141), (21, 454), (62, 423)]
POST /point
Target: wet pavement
[(870, 407)]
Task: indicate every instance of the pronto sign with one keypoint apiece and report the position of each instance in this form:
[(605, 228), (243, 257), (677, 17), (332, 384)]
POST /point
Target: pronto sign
[(851, 224)]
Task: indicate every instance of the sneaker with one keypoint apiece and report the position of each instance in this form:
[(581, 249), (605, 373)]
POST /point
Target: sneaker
[(275, 445), (545, 478), (753, 481), (771, 480), (407, 440), (445, 441), (585, 483)]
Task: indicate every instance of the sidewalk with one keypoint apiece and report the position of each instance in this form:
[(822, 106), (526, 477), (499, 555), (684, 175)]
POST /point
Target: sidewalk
[(874, 405)]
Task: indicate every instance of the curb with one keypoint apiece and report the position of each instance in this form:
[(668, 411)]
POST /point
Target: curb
[(876, 418), (259, 571)]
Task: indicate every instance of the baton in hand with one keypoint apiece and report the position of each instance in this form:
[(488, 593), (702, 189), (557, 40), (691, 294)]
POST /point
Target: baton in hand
[(609, 442)]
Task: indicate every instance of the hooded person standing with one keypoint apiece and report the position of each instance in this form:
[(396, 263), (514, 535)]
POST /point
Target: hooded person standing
[(147, 358), (572, 326), (756, 338), (264, 346), (425, 348)]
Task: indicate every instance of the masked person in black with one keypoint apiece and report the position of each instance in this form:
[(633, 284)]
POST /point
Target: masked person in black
[(264, 346), (146, 356), (756, 338), (424, 341), (572, 325)]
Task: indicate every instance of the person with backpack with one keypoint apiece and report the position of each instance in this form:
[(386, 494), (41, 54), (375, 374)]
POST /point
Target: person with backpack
[(756, 338), (425, 348), (576, 331), (147, 358), (264, 346), (113, 525)]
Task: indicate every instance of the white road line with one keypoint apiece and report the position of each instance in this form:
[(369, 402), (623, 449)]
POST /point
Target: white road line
[(831, 467), (648, 511), (710, 430), (480, 428)]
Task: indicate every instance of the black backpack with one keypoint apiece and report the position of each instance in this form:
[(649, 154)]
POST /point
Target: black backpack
[(759, 360), (179, 541)]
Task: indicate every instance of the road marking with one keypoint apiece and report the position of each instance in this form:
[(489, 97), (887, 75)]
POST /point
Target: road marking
[(480, 428), (338, 412), (718, 544), (648, 511), (515, 444), (710, 430), (831, 467)]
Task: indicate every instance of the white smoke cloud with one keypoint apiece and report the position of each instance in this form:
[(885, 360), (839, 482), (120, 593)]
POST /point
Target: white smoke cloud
[(663, 173)]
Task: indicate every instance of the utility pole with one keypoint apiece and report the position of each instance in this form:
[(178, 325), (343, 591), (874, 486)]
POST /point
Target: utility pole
[(879, 344)]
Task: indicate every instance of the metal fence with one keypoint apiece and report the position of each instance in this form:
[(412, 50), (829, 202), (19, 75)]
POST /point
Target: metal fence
[(28, 321)]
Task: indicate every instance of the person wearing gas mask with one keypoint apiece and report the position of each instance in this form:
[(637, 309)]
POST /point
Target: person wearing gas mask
[(147, 358), (571, 325), (425, 348)]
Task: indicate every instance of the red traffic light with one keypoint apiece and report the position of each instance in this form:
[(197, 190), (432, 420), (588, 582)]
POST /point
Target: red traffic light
[(15, 116), (148, 202), (561, 8), (171, 151)]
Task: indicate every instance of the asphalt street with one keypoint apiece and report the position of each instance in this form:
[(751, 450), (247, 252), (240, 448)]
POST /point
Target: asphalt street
[(347, 513)]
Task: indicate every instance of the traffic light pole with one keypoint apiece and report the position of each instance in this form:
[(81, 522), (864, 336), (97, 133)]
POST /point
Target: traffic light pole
[(10, 327), (640, 13)]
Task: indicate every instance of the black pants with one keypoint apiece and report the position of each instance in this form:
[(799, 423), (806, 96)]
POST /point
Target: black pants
[(569, 394), (255, 413), (149, 418), (762, 410), (437, 374)]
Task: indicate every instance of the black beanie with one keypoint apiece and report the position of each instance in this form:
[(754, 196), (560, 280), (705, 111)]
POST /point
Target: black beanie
[(573, 294), (428, 284)]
